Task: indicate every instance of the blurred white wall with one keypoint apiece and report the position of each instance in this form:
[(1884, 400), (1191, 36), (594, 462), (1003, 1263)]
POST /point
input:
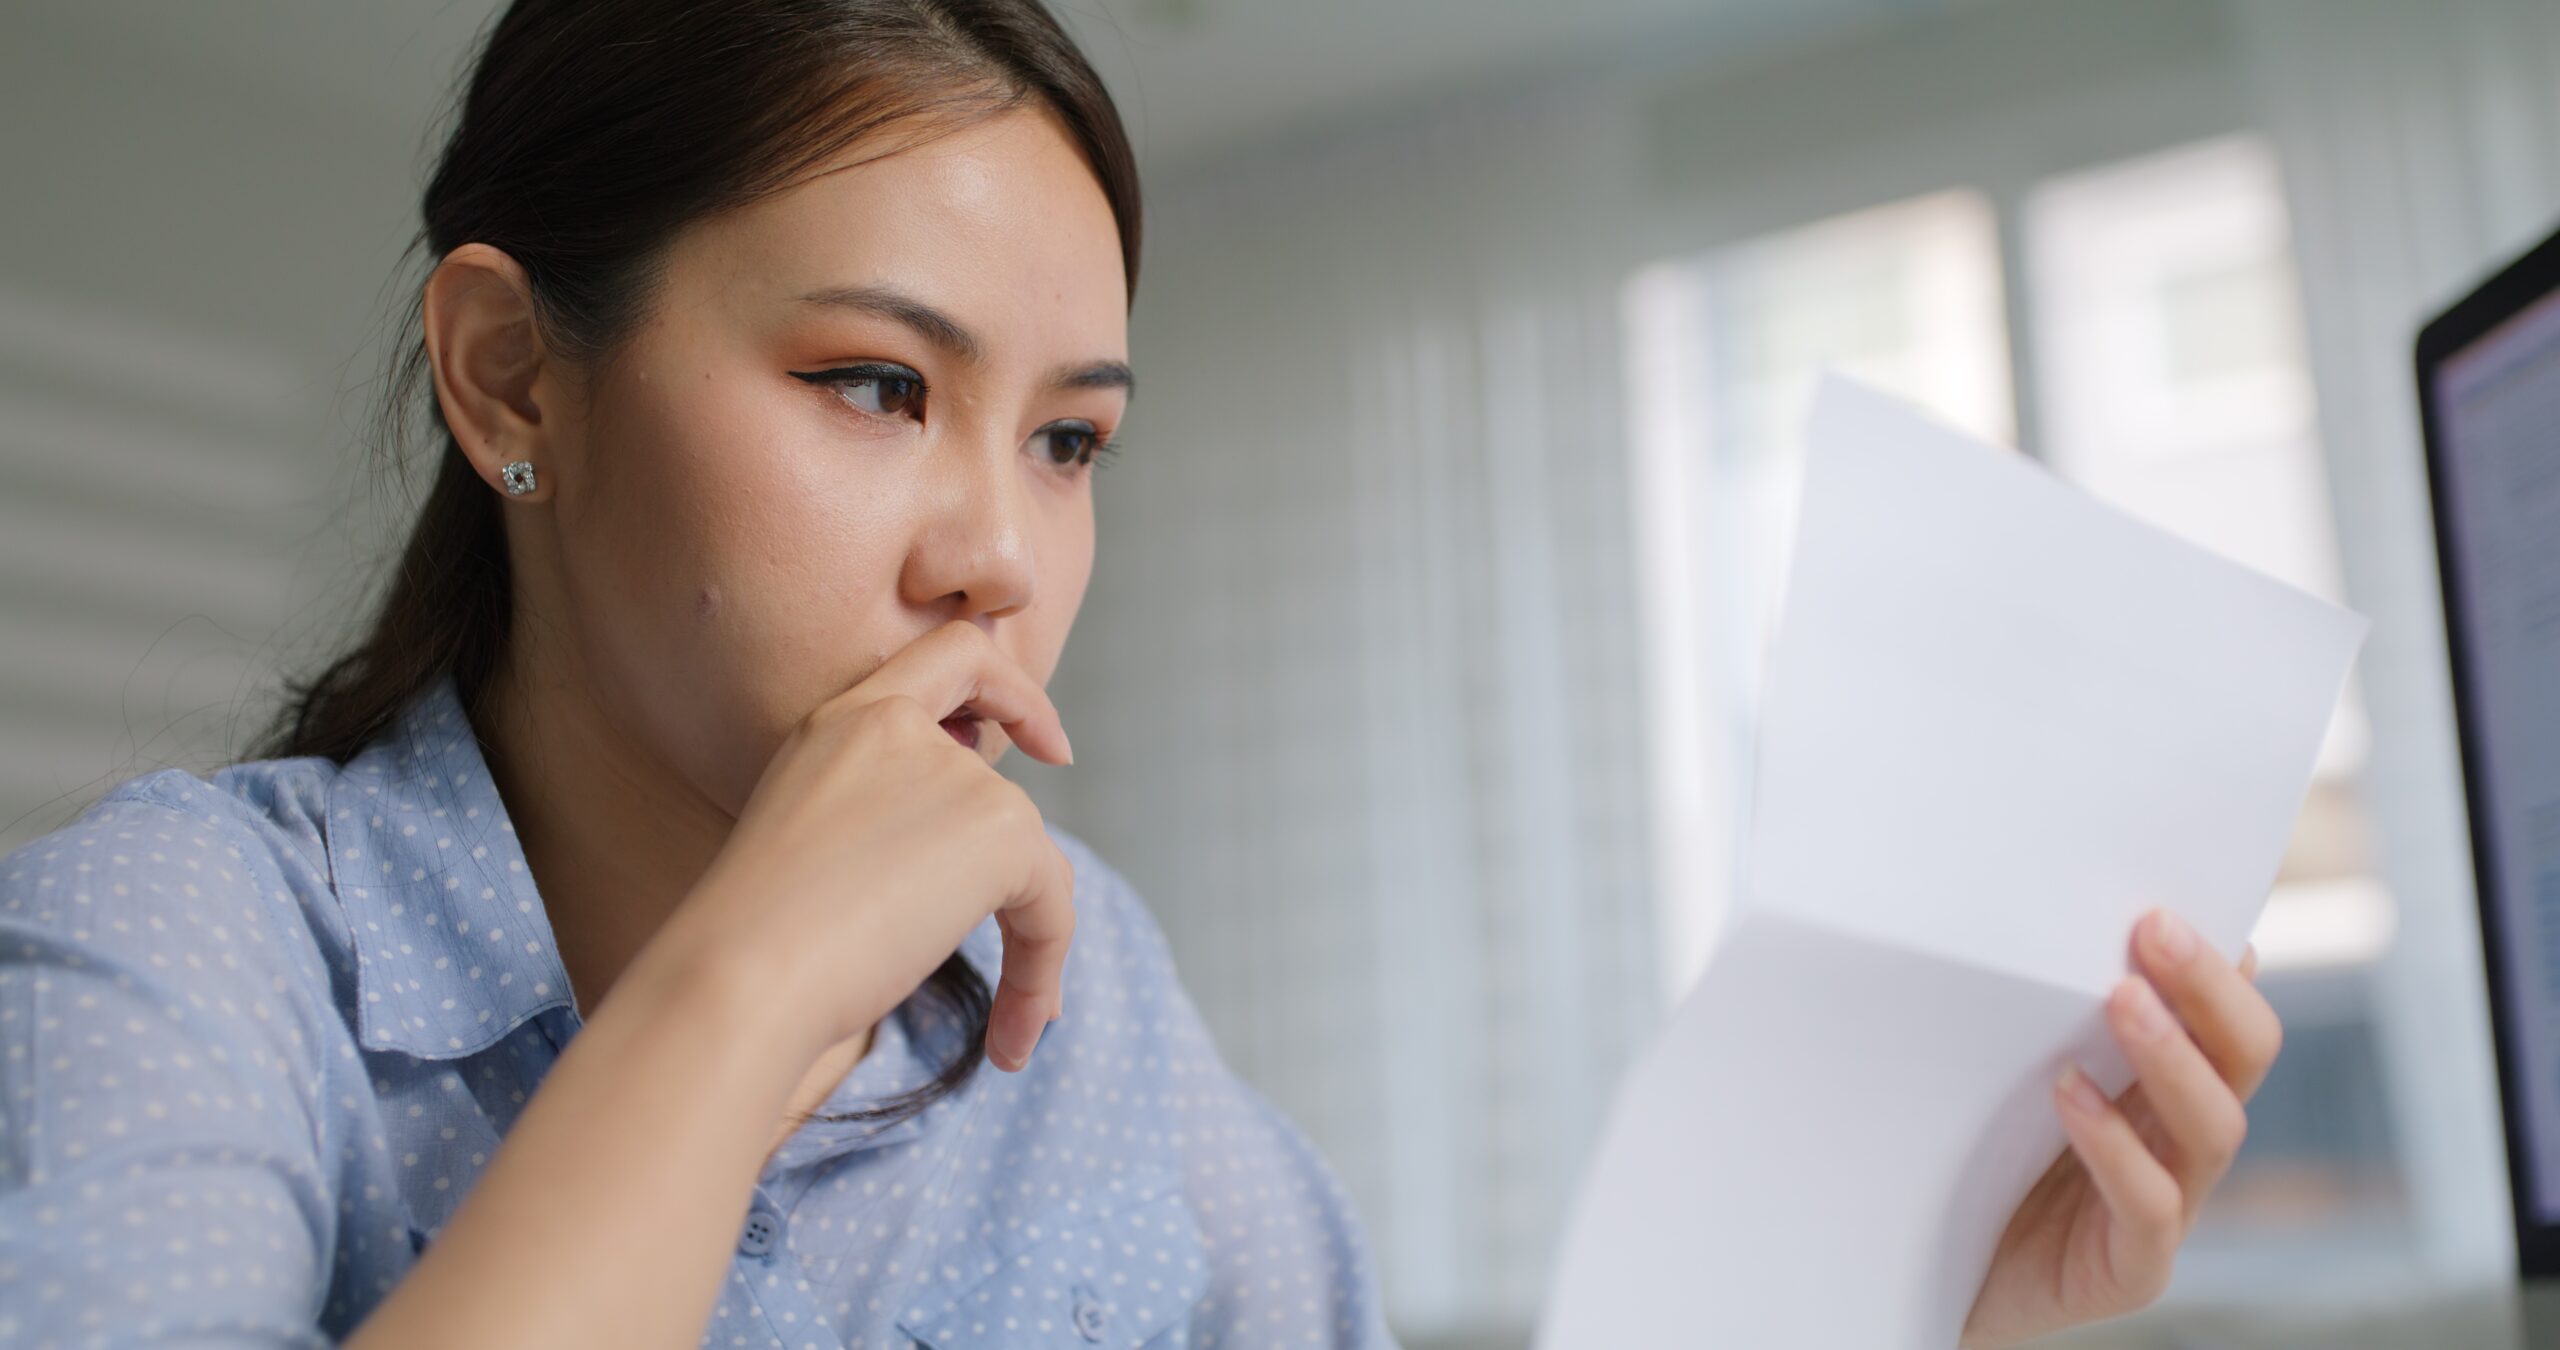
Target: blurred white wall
[(191, 262)]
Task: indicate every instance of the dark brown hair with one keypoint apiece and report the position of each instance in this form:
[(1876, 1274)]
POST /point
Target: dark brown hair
[(590, 134)]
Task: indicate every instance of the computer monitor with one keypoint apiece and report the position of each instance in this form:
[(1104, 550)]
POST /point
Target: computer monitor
[(2489, 394)]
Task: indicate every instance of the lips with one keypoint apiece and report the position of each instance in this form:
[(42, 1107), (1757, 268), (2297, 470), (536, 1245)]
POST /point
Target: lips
[(963, 726)]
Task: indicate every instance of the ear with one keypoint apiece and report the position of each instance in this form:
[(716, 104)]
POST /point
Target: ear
[(486, 356)]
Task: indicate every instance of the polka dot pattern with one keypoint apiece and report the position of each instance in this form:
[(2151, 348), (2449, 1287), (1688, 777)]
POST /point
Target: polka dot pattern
[(260, 1032)]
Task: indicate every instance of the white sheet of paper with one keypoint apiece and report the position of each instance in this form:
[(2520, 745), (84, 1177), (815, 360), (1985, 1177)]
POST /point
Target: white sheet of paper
[(2001, 720)]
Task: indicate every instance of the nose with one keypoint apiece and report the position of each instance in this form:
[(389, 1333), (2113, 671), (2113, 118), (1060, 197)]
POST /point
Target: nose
[(973, 555)]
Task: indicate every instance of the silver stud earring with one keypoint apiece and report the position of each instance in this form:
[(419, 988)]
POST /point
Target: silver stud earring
[(518, 477)]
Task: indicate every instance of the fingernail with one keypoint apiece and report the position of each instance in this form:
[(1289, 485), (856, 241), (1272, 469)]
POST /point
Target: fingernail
[(2080, 1092), (2142, 1006), (1070, 747), (2174, 939)]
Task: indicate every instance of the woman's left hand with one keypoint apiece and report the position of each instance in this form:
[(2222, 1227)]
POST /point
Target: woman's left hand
[(2097, 1235)]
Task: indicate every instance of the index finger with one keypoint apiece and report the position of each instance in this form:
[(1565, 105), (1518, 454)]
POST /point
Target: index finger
[(958, 666), (2230, 1020), (1030, 991)]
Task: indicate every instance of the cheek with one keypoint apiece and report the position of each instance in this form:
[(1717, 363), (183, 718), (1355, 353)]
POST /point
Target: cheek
[(1078, 566), (675, 482), (729, 498), (729, 568), (1066, 567)]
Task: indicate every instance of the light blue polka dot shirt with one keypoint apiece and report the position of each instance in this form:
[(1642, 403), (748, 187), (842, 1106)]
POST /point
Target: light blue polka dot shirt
[(259, 1032)]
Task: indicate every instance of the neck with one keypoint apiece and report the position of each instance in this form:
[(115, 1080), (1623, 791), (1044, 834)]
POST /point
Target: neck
[(614, 837)]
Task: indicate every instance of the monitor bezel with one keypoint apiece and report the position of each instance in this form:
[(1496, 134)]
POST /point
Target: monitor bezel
[(2522, 283)]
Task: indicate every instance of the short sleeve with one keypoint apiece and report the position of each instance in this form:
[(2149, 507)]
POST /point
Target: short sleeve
[(163, 1151), (1288, 1262)]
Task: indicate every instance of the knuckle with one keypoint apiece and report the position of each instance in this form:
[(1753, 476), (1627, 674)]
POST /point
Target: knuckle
[(2158, 1208), (2230, 1129), (1019, 980), (2265, 1038), (1058, 932), (1063, 899), (1009, 807), (891, 708)]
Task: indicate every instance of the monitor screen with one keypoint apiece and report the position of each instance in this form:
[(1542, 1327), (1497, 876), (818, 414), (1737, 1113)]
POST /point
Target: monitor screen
[(2496, 462)]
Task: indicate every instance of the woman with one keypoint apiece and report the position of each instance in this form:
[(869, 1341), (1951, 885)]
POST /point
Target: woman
[(628, 912)]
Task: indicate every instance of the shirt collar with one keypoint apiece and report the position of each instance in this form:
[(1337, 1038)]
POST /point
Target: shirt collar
[(453, 947)]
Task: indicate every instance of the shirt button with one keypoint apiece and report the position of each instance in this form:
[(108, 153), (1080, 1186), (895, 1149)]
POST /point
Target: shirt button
[(764, 1230), (1091, 1317)]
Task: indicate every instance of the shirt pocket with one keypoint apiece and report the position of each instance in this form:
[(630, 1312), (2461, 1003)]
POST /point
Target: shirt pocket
[(1119, 1272)]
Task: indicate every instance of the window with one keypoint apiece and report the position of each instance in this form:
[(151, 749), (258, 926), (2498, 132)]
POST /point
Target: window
[(2171, 379), (1724, 348), (2165, 371)]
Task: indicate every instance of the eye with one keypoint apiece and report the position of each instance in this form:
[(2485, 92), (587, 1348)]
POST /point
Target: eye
[(879, 388), (1072, 443)]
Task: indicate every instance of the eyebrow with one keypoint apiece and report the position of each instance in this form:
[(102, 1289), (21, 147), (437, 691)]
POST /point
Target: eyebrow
[(947, 333), (1097, 375)]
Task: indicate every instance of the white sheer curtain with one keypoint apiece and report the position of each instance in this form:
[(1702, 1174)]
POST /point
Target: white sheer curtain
[(2420, 145), (1504, 754)]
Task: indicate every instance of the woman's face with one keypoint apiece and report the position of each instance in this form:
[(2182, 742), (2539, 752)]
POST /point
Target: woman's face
[(857, 411)]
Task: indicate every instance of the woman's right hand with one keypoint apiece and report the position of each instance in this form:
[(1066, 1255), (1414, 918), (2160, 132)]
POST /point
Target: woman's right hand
[(875, 842)]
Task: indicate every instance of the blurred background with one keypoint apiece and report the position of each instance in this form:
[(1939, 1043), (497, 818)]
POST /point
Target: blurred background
[(1415, 684)]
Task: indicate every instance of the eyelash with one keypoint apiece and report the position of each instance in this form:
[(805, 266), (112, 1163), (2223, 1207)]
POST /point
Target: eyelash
[(840, 378)]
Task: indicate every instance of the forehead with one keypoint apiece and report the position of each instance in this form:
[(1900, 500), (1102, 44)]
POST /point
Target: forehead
[(997, 221)]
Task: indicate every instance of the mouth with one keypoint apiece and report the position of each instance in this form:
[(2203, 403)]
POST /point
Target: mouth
[(963, 726)]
